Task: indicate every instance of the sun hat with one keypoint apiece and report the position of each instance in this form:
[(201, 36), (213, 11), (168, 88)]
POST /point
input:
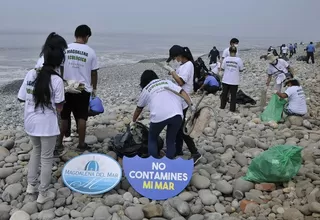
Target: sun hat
[(271, 57)]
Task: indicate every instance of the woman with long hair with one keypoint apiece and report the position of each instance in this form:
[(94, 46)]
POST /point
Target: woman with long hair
[(184, 77), (43, 94), (165, 110)]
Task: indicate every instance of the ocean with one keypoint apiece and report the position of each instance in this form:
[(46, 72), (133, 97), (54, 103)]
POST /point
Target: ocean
[(20, 51)]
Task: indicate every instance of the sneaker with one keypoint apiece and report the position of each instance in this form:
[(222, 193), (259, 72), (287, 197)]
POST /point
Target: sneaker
[(48, 196), (59, 151), (196, 158), (83, 147), (67, 139), (32, 189)]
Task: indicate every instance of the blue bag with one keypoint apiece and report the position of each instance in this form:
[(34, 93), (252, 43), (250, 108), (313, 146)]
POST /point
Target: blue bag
[(95, 106)]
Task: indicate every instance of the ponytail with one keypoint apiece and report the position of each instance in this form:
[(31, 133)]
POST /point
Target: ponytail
[(187, 54), (53, 57), (53, 40)]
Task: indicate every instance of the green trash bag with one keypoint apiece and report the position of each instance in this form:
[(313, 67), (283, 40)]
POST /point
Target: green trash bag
[(273, 111), (278, 164)]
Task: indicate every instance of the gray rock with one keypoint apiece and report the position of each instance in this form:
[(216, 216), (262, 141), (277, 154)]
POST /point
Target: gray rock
[(20, 215), (30, 208), (242, 186), (24, 157), (101, 213), (4, 152), (169, 212), (12, 192), (200, 182), (114, 199), (59, 202), (230, 141), (207, 197), (314, 207), (87, 212), (8, 144), (196, 217), (14, 178), (11, 159), (63, 192), (181, 206), (241, 159), (224, 187), (90, 139), (249, 142), (4, 212), (152, 210), (134, 213), (295, 120), (186, 196), (213, 216), (26, 147), (292, 214), (103, 133), (46, 215), (75, 214), (220, 208), (128, 197)]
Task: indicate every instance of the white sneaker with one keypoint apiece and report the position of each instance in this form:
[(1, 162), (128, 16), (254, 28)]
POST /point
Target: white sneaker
[(45, 198), (32, 189), (67, 139)]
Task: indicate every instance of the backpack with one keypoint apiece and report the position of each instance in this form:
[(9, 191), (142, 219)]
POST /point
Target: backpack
[(132, 143)]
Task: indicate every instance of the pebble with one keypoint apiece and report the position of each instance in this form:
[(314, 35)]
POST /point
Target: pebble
[(224, 187)]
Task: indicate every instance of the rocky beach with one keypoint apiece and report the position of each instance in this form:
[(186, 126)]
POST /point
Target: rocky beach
[(226, 156)]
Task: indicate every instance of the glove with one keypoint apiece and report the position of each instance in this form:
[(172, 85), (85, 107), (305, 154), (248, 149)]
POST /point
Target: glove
[(196, 80), (168, 68), (132, 125), (71, 89), (192, 108), (94, 93)]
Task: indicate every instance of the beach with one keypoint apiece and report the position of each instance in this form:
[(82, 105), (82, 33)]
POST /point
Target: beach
[(226, 156)]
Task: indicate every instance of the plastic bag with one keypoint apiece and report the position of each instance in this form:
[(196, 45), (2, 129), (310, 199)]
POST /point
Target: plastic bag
[(278, 164), (95, 106), (274, 110)]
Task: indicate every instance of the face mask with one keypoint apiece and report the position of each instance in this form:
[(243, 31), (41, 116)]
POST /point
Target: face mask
[(236, 45), (176, 63)]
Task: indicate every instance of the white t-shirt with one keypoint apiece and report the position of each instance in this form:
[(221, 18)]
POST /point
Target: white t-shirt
[(215, 67), (163, 104), (80, 60), (186, 72), (285, 49), (40, 64), (226, 53), (232, 67), (296, 100), (36, 121), (279, 70)]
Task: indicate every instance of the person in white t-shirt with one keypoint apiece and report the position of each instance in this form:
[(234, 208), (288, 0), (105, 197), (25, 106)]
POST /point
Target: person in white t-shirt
[(284, 50), (165, 110), (297, 104), (43, 94), (184, 76), (234, 42), (278, 69), (81, 66), (231, 67), (215, 67)]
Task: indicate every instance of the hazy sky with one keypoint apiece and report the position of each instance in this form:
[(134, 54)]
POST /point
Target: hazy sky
[(249, 18)]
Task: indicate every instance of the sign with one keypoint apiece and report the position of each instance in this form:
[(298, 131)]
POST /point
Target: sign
[(158, 179), (91, 174)]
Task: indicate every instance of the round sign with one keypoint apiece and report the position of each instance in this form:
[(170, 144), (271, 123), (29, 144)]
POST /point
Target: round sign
[(91, 174)]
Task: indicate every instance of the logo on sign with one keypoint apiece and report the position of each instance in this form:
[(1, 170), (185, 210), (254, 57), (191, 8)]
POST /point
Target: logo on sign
[(92, 174), (158, 179)]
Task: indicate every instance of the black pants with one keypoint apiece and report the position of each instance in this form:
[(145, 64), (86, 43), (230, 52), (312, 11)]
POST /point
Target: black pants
[(211, 89), (186, 138), (213, 60), (68, 133), (310, 55), (226, 88)]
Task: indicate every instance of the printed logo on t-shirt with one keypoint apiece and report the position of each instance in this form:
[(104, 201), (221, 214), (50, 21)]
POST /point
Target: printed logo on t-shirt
[(156, 84), (77, 55)]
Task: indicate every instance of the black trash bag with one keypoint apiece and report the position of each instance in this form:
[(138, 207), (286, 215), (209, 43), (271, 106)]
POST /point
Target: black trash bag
[(132, 143), (243, 99)]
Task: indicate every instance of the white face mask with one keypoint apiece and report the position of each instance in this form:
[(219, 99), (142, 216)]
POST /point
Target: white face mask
[(236, 45), (176, 63)]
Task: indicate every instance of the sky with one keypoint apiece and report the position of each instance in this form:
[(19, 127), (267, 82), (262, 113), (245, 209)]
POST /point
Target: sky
[(242, 18)]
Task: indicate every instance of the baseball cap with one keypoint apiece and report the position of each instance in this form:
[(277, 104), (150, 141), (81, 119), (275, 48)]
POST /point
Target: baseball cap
[(175, 51)]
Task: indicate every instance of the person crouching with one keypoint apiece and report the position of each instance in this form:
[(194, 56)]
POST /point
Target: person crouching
[(210, 84), (165, 110), (297, 105)]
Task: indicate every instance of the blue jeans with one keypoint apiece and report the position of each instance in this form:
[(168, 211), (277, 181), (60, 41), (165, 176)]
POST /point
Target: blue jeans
[(173, 125)]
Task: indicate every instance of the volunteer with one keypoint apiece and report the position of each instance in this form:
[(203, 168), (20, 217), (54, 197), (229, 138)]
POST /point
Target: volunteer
[(210, 84), (231, 67), (297, 104), (184, 76), (43, 94), (278, 69), (234, 42), (214, 55), (165, 111)]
